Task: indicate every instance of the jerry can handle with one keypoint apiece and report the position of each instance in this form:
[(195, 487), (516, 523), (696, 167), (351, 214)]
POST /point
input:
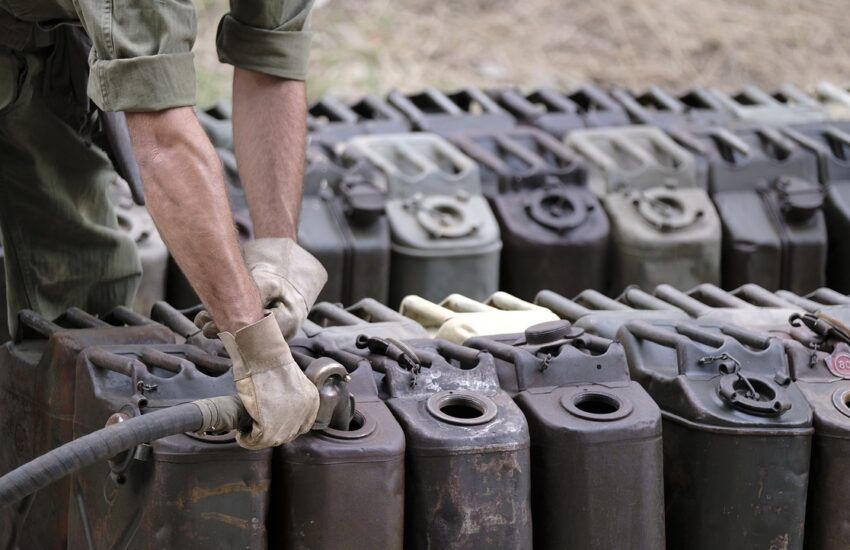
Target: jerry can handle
[(519, 105)]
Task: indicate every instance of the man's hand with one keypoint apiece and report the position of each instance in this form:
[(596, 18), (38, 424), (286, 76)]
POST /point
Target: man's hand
[(281, 400), (289, 280)]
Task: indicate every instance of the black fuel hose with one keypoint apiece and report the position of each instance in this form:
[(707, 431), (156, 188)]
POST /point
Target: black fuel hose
[(218, 414)]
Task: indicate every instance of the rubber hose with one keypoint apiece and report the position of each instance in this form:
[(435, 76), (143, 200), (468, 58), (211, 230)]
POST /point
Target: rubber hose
[(112, 440)]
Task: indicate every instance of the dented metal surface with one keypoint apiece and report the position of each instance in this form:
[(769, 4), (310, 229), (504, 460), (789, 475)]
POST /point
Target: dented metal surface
[(595, 438)]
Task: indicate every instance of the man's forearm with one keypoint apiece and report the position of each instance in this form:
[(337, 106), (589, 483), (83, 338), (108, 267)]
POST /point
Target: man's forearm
[(269, 133), (184, 191)]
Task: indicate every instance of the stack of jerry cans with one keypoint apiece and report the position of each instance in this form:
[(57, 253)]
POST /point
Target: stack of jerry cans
[(343, 225), (37, 400), (592, 430), (663, 225), (351, 476), (548, 218), (467, 453), (330, 120), (830, 141), (448, 114), (458, 317), (444, 235), (180, 491), (737, 433), (767, 193)]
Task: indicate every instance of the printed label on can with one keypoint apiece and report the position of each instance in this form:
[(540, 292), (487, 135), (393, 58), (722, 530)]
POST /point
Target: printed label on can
[(839, 363)]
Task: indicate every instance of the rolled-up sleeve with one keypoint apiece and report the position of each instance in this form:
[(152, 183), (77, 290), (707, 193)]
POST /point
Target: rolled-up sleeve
[(267, 36), (141, 58)]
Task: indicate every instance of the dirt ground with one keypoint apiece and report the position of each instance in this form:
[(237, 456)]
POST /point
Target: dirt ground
[(375, 45)]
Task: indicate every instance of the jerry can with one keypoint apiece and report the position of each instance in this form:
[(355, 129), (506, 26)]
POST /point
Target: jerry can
[(789, 106), (444, 235), (182, 491), (600, 315), (834, 99), (342, 326), (545, 108), (446, 114), (771, 206), (458, 318), (663, 225), (830, 141), (217, 122), (136, 223), (350, 475), (343, 224), (467, 454), (332, 121), (596, 453), (547, 216), (727, 399), (37, 398)]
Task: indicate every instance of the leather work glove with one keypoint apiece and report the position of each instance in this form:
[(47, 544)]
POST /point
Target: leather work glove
[(289, 280), (282, 402)]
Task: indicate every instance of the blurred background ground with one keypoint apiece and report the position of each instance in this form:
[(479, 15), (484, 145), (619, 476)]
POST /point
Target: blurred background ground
[(375, 45)]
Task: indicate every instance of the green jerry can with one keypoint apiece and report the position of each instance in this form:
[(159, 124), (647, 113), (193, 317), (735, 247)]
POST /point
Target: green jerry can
[(468, 471), (444, 235), (603, 316), (538, 191), (789, 105), (737, 433), (770, 203), (596, 452), (341, 486), (37, 401), (182, 491), (830, 141), (663, 225), (458, 317)]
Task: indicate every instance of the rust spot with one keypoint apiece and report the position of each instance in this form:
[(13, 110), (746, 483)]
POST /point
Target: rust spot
[(200, 493)]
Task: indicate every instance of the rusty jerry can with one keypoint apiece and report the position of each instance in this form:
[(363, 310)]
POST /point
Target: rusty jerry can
[(789, 105), (467, 456), (770, 203), (663, 225), (448, 114), (458, 318), (352, 474), (343, 224), (596, 453), (602, 316), (37, 397), (737, 433), (657, 107), (331, 121), (537, 189), (444, 235), (830, 141), (182, 491)]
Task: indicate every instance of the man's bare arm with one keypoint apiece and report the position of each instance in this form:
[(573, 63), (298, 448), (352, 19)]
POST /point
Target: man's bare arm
[(185, 193), (269, 133)]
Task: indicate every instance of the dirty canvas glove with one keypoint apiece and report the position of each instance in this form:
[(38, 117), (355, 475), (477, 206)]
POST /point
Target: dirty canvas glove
[(289, 280), (280, 399)]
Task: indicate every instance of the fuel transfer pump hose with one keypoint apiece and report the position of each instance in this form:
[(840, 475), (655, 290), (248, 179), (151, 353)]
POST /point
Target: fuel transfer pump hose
[(215, 414)]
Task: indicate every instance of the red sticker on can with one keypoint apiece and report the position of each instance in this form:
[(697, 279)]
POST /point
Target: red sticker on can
[(839, 363)]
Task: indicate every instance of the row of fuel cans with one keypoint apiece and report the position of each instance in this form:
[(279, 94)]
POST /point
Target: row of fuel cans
[(433, 193), (702, 419)]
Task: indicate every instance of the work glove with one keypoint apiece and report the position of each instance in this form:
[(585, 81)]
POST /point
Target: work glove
[(289, 280), (282, 402)]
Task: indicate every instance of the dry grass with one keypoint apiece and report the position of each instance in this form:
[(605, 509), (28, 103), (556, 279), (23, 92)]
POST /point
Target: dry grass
[(375, 45)]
